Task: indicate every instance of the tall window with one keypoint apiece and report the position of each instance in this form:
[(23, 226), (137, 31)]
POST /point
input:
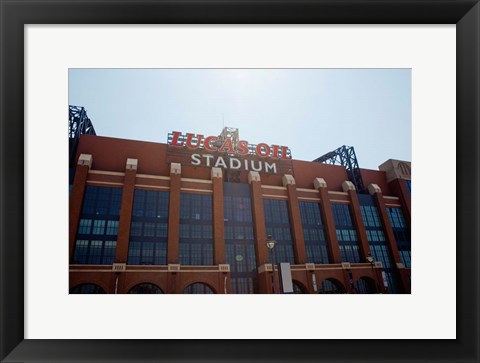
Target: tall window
[(196, 234), (149, 228), (313, 232), (239, 239), (98, 227), (346, 233), (377, 240), (278, 225), (402, 234)]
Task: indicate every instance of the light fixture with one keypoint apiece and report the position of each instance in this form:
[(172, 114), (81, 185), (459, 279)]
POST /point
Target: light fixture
[(370, 258), (270, 242)]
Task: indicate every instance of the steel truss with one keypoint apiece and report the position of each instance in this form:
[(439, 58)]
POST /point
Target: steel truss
[(78, 123), (345, 156)]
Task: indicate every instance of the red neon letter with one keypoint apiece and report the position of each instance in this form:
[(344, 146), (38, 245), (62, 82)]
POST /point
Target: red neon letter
[(175, 142), (275, 151), (242, 147), (190, 138), (284, 152), (206, 143), (227, 144), (261, 152)]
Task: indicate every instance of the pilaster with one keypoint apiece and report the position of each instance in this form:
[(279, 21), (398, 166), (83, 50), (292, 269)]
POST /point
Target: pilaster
[(123, 238), (390, 236), (76, 198), (295, 220), (258, 217), (174, 214), (218, 218), (327, 216), (349, 188)]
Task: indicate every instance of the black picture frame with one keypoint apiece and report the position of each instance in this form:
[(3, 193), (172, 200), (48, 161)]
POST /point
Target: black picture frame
[(15, 14)]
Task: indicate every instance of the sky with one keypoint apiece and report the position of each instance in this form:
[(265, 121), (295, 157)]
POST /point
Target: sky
[(312, 111)]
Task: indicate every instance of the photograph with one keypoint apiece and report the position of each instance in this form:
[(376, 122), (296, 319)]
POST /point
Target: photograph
[(239, 181)]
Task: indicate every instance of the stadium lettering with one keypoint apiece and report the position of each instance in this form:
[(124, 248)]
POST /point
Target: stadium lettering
[(240, 148), (233, 163)]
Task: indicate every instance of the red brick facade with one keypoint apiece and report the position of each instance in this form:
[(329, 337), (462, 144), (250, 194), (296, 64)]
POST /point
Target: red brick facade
[(143, 165)]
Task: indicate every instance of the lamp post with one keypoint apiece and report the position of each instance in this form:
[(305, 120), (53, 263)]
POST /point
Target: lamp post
[(270, 242), (372, 263)]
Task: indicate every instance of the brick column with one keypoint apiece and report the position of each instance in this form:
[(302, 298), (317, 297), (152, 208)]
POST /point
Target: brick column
[(349, 188), (118, 277), (123, 238), (174, 214), (218, 218), (312, 284), (375, 190), (404, 277), (379, 277), (173, 279), (258, 216), (265, 276), (76, 198), (346, 271), (259, 230), (295, 219), (329, 222), (397, 172), (224, 278)]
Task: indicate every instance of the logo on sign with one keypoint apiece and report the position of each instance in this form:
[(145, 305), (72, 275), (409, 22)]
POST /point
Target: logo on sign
[(228, 151)]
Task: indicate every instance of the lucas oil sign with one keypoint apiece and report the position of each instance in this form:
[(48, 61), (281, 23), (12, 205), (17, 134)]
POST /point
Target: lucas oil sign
[(227, 151)]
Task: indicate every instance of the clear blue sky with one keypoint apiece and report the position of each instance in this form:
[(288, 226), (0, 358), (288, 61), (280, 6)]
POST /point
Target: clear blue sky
[(313, 111)]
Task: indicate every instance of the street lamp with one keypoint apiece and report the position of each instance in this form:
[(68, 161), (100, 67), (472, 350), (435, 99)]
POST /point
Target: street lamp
[(270, 242), (372, 263)]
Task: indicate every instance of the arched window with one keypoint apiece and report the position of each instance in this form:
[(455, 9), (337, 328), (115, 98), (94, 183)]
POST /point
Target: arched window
[(297, 288), (331, 286), (145, 289), (198, 288), (87, 289), (366, 285)]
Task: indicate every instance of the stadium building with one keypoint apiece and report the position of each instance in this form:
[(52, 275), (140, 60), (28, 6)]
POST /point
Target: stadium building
[(216, 214)]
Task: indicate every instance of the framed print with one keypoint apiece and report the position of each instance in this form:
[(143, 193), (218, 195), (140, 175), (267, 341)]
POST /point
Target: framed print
[(437, 321)]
